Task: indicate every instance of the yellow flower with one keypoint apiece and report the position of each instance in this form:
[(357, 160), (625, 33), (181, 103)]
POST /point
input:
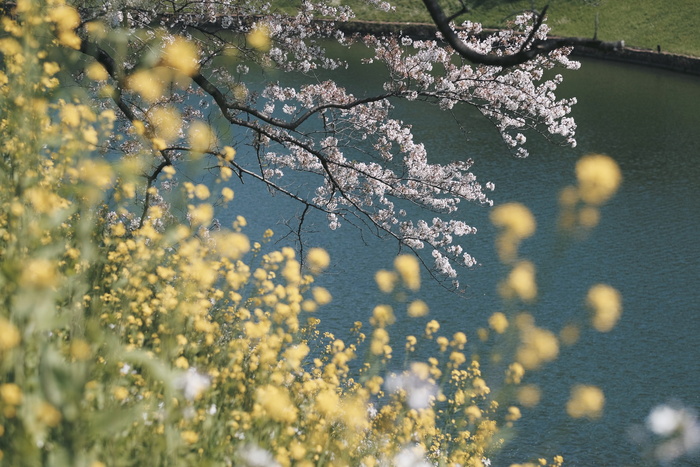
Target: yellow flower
[(229, 153), (431, 327), (147, 83), (48, 414), (498, 322), (65, 17), (515, 218), (227, 194), (97, 173), (276, 403), (585, 401), (166, 122), (382, 316), (589, 217), (51, 68), (201, 191), (120, 393), (182, 55), (327, 402), (39, 273), (80, 349), (201, 214), (473, 412), (520, 282), (417, 309), (259, 38), (386, 280), (11, 394), (318, 260), (189, 436), (379, 339), (9, 335), (513, 414), (606, 303), (232, 245), (201, 136), (515, 373), (321, 295), (459, 339), (409, 270), (538, 346), (529, 395), (569, 334), (96, 72), (598, 177)]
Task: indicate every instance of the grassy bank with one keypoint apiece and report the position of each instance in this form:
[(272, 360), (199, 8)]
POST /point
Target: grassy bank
[(640, 23)]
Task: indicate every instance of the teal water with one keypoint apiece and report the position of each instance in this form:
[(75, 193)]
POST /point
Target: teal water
[(646, 246)]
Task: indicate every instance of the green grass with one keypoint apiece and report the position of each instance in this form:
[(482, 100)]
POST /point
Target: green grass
[(640, 23)]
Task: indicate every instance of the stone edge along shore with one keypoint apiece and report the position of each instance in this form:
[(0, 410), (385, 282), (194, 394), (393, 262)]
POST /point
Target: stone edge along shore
[(674, 62)]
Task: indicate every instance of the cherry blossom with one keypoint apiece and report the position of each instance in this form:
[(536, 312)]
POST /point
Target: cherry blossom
[(369, 169)]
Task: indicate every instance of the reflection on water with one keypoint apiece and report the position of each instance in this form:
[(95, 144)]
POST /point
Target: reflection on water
[(647, 246)]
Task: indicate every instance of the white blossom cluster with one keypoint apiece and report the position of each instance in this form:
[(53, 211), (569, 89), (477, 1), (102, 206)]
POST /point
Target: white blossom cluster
[(369, 168)]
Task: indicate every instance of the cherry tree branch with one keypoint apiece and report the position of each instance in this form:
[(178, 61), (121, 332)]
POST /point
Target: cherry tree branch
[(525, 54)]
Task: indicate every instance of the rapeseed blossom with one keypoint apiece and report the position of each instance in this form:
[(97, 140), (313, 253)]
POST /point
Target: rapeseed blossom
[(142, 317), (606, 303), (408, 269), (598, 177), (586, 401)]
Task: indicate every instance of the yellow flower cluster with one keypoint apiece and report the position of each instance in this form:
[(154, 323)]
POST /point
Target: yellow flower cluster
[(128, 331), (599, 177)]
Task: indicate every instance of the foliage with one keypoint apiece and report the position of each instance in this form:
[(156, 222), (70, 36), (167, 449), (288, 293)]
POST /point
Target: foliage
[(130, 335)]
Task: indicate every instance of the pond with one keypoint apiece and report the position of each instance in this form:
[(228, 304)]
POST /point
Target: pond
[(646, 245)]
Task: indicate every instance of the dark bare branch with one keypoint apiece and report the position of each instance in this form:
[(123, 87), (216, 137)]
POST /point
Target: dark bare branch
[(538, 47)]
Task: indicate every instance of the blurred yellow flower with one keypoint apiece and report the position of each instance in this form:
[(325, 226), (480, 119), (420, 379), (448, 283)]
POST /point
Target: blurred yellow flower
[(39, 273), (181, 55), (606, 303), (276, 403), (318, 260), (599, 177), (166, 122), (96, 72), (382, 316), (201, 215), (409, 270), (11, 394), (498, 322), (386, 280), (48, 415), (417, 309), (529, 395), (379, 339), (148, 83), (201, 136), (321, 295), (201, 191), (120, 393), (227, 194), (259, 38), (520, 283), (537, 347), (9, 335), (586, 401), (189, 436), (515, 218), (513, 414)]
